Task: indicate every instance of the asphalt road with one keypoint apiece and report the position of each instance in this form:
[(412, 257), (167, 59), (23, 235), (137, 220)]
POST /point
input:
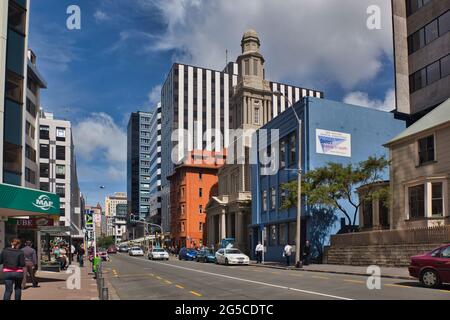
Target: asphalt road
[(136, 278)]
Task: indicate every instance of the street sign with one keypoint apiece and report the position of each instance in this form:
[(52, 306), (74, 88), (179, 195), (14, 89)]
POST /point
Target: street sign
[(152, 237)]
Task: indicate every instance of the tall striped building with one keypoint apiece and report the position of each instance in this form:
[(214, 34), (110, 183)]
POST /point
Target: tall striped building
[(196, 101)]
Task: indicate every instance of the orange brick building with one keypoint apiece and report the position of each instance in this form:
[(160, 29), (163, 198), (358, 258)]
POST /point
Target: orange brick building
[(192, 185)]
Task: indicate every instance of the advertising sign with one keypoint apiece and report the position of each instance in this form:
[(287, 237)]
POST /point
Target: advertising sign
[(333, 143), (32, 223)]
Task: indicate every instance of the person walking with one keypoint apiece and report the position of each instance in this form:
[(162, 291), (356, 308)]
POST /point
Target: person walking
[(287, 252), (63, 258), (259, 252), (80, 256), (13, 261), (306, 253), (30, 265)]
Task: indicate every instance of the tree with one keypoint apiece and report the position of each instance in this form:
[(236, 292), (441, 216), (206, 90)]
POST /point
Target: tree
[(328, 186), (321, 222), (105, 242)]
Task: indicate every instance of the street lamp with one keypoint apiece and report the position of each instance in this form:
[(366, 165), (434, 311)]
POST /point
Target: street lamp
[(298, 262)]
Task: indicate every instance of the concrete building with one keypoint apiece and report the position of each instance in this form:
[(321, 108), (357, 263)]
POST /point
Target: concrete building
[(196, 109), (155, 167), (192, 185), (58, 168), (120, 223), (331, 132), (115, 222), (421, 55)]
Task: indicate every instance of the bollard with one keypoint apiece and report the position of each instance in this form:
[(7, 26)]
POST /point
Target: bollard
[(105, 295)]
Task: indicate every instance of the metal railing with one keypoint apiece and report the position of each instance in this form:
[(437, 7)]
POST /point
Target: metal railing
[(103, 293), (439, 234)]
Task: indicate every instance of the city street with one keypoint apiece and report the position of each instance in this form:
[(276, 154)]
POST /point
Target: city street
[(141, 279)]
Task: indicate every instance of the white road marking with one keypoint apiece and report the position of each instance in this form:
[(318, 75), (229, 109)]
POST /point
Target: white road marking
[(252, 281)]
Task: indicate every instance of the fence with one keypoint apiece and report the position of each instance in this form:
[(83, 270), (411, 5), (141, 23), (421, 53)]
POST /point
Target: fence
[(440, 234), (103, 293)]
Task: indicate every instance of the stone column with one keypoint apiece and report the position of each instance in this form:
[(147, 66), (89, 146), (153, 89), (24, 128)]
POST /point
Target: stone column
[(238, 227), (223, 226)]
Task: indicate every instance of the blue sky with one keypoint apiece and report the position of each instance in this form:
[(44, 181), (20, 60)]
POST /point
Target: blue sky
[(116, 63)]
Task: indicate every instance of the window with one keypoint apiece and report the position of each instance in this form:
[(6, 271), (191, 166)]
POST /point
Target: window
[(61, 190), (44, 132), (200, 192), (426, 150), (44, 186), (445, 66), (182, 226), (247, 67), (60, 134), (418, 80), (200, 209), (60, 153), (44, 152), (44, 170), (182, 209), (256, 116), (60, 171), (430, 74), (416, 41), (29, 130), (264, 200), (412, 6), (30, 175), (30, 153), (437, 201), (273, 198), (444, 23), (282, 234), (200, 226), (282, 153), (292, 232), (273, 236), (292, 149), (62, 212), (31, 108), (255, 67), (200, 176), (417, 201), (283, 196), (14, 87), (446, 253), (16, 17), (431, 31), (368, 213), (433, 72)]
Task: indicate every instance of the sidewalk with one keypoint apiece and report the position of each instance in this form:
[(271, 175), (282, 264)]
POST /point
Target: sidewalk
[(386, 272), (52, 286)]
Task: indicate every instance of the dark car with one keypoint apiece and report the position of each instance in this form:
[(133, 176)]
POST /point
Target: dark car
[(112, 249), (206, 255), (187, 254), (124, 248), (432, 268)]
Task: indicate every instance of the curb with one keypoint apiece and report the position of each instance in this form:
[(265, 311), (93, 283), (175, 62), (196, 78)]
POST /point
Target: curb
[(331, 271)]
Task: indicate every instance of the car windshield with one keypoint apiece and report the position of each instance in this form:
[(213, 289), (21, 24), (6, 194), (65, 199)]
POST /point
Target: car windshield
[(136, 248), (158, 250), (192, 251), (209, 251), (233, 251)]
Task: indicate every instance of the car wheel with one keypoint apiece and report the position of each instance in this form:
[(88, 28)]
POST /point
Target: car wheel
[(226, 262), (430, 279)]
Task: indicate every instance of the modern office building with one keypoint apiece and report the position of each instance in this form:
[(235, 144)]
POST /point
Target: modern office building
[(111, 204), (58, 169), (331, 132), (421, 55), (196, 111), (155, 167)]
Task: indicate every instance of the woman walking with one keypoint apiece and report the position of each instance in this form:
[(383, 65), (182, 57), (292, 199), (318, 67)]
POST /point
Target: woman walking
[(13, 261)]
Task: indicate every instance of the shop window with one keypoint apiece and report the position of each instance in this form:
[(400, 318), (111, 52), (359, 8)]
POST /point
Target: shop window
[(44, 151), (60, 153), (14, 87), (44, 170), (416, 197), (437, 205), (426, 150)]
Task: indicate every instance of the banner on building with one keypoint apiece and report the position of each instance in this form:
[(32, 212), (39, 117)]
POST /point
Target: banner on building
[(333, 143)]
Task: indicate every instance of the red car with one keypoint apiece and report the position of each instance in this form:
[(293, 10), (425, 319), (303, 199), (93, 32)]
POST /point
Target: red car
[(432, 268), (112, 249)]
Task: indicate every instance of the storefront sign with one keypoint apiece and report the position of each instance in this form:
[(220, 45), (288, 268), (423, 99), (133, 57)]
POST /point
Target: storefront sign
[(32, 223), (333, 143)]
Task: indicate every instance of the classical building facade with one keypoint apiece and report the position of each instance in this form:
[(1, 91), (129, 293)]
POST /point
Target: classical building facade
[(111, 203)]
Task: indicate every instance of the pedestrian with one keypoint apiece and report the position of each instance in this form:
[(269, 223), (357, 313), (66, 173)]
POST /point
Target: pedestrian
[(72, 251), (259, 252), (30, 265), (287, 252), (63, 258), (306, 253), (13, 261), (80, 255)]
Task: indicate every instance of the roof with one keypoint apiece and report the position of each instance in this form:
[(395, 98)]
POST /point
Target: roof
[(439, 116)]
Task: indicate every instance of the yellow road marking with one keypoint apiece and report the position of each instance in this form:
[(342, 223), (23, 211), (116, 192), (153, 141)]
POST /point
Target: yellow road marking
[(396, 285), (320, 277), (179, 287), (354, 281), (196, 293), (446, 291), (168, 282), (297, 275), (159, 278)]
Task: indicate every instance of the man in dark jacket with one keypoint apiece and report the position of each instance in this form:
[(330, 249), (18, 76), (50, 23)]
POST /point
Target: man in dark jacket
[(13, 262), (30, 265), (306, 253)]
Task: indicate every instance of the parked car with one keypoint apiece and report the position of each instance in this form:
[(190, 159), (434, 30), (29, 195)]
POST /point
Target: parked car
[(231, 256), (136, 251), (124, 248), (206, 255), (158, 254), (112, 249), (432, 268), (103, 254), (187, 254)]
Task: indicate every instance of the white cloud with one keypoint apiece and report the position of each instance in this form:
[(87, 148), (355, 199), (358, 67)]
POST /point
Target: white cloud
[(362, 99), (154, 96), (304, 41), (101, 16), (98, 137)]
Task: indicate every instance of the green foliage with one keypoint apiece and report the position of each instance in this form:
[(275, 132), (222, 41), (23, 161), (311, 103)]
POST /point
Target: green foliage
[(328, 186), (321, 222), (105, 242)]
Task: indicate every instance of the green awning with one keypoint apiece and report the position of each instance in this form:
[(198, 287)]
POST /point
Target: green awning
[(20, 201)]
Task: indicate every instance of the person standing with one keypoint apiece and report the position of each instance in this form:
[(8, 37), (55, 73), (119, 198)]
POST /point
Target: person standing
[(287, 252), (13, 261), (80, 256), (30, 265), (259, 252), (306, 253)]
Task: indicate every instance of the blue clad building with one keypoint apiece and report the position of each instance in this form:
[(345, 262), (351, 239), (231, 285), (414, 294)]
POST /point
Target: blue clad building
[(331, 132)]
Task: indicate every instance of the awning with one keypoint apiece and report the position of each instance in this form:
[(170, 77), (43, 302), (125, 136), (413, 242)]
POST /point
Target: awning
[(19, 201)]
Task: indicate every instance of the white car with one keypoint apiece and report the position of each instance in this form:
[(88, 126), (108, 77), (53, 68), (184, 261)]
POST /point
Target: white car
[(136, 251), (231, 256), (158, 254)]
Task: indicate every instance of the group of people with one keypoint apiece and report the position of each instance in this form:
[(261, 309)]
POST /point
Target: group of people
[(17, 265), (287, 253)]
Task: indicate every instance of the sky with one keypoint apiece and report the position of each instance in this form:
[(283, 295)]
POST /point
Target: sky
[(116, 63)]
